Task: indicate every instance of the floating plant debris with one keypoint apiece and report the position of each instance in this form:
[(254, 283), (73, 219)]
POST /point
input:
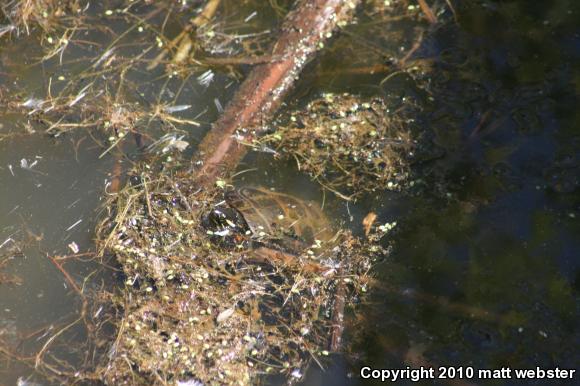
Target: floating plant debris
[(348, 144), (215, 312)]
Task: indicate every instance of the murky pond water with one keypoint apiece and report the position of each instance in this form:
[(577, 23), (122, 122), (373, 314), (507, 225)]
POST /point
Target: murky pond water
[(485, 270)]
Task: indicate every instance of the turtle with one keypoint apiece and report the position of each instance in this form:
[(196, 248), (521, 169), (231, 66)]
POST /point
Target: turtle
[(270, 223)]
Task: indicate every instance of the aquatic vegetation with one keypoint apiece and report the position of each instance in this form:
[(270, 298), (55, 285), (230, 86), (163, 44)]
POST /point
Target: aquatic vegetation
[(7, 278), (199, 303), (350, 145), (48, 15), (216, 312)]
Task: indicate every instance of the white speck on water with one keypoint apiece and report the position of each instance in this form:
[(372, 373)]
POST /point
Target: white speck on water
[(74, 225), (218, 105), (543, 333), (250, 16), (206, 78)]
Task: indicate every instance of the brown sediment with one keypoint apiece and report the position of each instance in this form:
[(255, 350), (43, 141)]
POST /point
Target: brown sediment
[(304, 32)]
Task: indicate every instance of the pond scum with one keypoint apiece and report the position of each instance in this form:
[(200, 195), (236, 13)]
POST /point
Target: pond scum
[(197, 304)]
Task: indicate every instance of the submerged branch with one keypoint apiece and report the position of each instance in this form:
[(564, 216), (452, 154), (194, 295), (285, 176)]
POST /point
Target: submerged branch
[(304, 32), (429, 15)]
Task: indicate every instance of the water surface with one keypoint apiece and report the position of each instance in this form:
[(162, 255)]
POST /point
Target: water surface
[(485, 270)]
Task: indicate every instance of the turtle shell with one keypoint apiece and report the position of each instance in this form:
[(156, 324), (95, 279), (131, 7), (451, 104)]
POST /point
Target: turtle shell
[(269, 213)]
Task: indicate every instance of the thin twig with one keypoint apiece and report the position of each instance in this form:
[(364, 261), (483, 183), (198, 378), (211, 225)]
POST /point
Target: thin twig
[(428, 12), (67, 277)]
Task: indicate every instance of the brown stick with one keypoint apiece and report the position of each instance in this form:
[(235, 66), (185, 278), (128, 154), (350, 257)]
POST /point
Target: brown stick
[(428, 12), (237, 60), (183, 39), (337, 328), (260, 95), (66, 275), (207, 13)]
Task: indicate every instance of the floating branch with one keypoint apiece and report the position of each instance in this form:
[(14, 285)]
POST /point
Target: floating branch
[(304, 32)]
